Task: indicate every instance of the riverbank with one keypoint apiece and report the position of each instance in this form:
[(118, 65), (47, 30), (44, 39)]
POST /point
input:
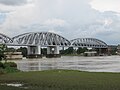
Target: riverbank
[(60, 80)]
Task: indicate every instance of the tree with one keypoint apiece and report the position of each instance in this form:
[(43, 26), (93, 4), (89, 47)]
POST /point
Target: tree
[(23, 50), (44, 51), (70, 50), (81, 50), (3, 48), (10, 50)]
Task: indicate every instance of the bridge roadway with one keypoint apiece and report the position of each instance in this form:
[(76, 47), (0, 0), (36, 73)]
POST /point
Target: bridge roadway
[(35, 40)]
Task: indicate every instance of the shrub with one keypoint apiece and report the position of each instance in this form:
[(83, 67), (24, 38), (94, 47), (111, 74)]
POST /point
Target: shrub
[(1, 65), (1, 71), (10, 64), (8, 67), (10, 70)]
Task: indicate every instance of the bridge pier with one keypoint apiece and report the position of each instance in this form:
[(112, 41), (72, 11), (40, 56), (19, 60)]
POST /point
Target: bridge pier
[(102, 51), (53, 51), (105, 51), (34, 52)]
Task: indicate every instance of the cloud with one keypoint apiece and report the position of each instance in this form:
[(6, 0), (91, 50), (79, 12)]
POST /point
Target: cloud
[(13, 2), (2, 17), (69, 18), (106, 28), (55, 22), (106, 5)]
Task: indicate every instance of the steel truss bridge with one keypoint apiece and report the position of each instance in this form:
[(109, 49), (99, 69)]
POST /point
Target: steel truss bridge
[(50, 39), (35, 40), (88, 42)]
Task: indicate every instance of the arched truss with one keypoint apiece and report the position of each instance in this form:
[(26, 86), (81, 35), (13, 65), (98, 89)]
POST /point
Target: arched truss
[(5, 39), (88, 42), (40, 38)]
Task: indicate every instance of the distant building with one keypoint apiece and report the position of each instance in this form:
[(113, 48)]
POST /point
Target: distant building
[(13, 55), (90, 53), (112, 49), (118, 49)]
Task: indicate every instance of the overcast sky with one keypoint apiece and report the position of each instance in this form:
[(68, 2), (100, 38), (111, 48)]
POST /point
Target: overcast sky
[(70, 18)]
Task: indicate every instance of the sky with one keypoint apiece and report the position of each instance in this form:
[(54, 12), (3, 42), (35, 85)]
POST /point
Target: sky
[(69, 18)]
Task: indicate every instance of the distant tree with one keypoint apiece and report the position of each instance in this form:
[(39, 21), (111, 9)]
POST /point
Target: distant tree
[(70, 50), (23, 50), (62, 51), (10, 50), (81, 50), (113, 51), (44, 51)]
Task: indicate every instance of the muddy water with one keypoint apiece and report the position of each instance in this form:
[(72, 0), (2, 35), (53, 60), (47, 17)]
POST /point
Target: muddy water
[(91, 64)]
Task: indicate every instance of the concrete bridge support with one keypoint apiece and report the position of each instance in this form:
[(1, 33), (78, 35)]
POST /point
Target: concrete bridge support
[(53, 51), (105, 51), (102, 51), (34, 52)]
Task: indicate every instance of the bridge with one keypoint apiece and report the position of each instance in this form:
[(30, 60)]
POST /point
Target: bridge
[(5, 39), (88, 42), (96, 44), (35, 40)]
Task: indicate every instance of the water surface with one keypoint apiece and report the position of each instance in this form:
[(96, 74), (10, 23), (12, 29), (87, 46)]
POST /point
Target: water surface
[(91, 64)]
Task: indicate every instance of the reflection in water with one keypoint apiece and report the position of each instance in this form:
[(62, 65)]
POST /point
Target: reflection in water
[(92, 64)]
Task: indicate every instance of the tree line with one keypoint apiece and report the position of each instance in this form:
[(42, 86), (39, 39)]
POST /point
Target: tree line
[(71, 51), (4, 48)]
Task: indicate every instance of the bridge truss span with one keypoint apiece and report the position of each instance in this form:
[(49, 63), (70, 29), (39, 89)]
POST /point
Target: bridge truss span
[(88, 42), (40, 38), (5, 39)]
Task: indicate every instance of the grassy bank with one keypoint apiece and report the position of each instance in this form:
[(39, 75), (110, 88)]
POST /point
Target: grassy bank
[(61, 80)]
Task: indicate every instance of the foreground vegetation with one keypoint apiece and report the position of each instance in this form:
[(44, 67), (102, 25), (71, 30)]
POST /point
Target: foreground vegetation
[(61, 80), (8, 67)]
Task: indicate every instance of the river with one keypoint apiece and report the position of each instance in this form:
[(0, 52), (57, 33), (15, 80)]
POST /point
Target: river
[(91, 64)]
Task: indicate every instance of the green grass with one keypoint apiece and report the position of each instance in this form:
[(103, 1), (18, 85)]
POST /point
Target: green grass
[(62, 80)]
